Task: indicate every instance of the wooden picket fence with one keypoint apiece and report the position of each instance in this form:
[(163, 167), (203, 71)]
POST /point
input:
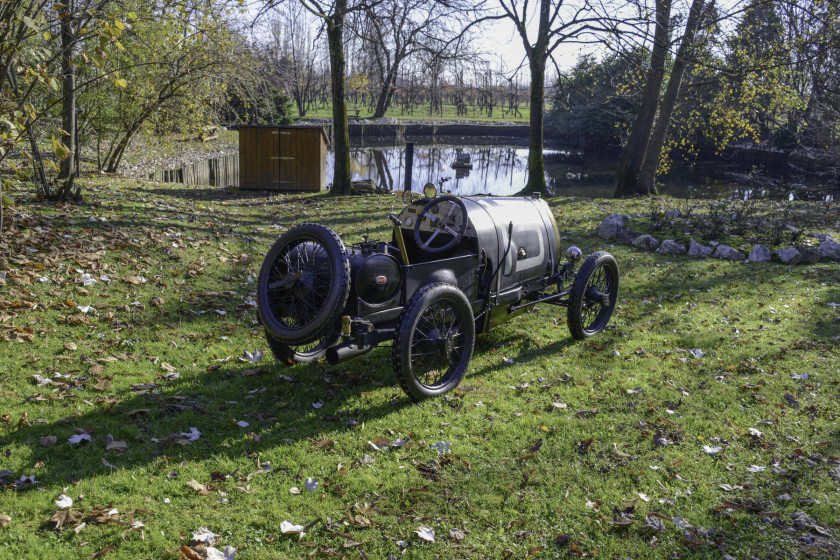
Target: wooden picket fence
[(215, 172)]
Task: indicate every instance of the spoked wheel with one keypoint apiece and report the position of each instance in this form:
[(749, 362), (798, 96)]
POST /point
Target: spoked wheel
[(303, 285), (302, 353), (593, 296), (434, 343)]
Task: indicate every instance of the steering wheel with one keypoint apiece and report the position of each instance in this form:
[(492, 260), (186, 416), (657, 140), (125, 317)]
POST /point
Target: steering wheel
[(441, 224)]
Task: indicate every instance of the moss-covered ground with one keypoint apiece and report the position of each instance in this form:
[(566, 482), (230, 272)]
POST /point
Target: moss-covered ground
[(701, 423)]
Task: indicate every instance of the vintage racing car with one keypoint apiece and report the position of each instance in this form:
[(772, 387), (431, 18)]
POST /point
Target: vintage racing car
[(454, 267)]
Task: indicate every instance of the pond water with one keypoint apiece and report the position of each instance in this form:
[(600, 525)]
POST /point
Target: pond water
[(500, 167)]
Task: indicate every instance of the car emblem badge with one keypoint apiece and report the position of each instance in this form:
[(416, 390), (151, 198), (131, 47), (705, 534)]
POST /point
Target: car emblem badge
[(381, 279)]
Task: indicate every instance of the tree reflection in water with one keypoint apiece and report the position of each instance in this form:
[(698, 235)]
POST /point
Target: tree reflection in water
[(498, 170)]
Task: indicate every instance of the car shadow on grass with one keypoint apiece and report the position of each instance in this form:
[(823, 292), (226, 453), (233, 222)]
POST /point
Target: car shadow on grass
[(239, 409)]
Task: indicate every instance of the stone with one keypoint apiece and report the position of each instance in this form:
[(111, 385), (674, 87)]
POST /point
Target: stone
[(788, 256), (759, 253), (714, 243), (611, 225), (673, 213), (821, 237), (671, 247), (829, 251), (810, 255), (699, 250), (625, 236), (726, 253), (648, 242)]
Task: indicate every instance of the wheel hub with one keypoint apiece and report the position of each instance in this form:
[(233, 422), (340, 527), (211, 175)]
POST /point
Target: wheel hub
[(304, 284), (449, 346)]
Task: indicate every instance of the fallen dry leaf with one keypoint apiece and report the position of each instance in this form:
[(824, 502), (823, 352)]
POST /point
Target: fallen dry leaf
[(65, 517), (64, 501), (102, 385), (103, 552), (228, 553), (112, 445), (426, 533), (189, 554), (288, 527), (201, 489)]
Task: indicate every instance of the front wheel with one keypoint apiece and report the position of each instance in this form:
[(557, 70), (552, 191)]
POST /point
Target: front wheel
[(434, 341), (593, 296)]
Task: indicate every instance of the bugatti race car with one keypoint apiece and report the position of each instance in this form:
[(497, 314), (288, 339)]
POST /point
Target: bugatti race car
[(454, 267)]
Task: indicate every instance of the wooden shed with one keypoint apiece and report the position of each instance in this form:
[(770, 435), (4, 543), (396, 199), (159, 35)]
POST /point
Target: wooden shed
[(283, 158)]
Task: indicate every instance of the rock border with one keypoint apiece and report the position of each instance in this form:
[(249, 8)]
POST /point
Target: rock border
[(612, 228)]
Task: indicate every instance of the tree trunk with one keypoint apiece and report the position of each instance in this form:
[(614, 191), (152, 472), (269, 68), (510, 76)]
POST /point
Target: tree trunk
[(301, 105), (115, 157), (383, 101), (40, 177), (68, 90), (341, 134), (633, 154), (536, 163), (647, 173), (117, 154)]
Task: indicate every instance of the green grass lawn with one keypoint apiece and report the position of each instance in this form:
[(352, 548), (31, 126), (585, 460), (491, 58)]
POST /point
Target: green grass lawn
[(422, 113), (577, 449)]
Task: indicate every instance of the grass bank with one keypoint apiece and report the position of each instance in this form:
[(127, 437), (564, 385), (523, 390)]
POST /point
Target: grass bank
[(449, 113), (701, 423)]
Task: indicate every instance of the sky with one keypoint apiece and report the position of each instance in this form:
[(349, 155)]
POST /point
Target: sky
[(501, 44), (501, 40)]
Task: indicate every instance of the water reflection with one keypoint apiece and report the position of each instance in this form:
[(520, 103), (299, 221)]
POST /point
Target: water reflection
[(500, 167), (499, 170)]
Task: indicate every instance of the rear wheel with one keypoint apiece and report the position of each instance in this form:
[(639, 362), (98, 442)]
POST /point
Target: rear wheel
[(434, 341), (303, 285), (593, 295)]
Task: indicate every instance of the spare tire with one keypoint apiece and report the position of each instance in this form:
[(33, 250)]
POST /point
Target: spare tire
[(304, 284)]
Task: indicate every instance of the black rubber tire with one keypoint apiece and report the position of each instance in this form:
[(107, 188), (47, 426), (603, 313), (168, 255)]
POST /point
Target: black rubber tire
[(582, 326), (416, 319), (301, 354), (322, 307)]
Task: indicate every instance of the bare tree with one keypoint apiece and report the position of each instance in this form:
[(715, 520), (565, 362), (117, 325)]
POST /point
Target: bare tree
[(559, 22), (634, 150), (334, 14), (293, 47), (399, 29), (650, 163)]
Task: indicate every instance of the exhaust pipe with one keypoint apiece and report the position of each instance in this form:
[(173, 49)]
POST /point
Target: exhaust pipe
[(346, 351)]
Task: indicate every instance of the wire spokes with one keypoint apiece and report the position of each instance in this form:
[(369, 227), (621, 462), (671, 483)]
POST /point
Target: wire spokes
[(598, 297), (299, 283), (437, 345)]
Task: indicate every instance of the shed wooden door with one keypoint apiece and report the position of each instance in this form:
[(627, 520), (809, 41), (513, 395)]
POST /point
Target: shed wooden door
[(259, 164), (288, 157)]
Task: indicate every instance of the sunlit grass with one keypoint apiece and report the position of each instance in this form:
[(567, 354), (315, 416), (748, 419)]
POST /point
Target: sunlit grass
[(622, 418)]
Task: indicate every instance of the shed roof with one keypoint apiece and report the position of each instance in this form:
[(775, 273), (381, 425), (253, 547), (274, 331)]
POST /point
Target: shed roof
[(286, 127)]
